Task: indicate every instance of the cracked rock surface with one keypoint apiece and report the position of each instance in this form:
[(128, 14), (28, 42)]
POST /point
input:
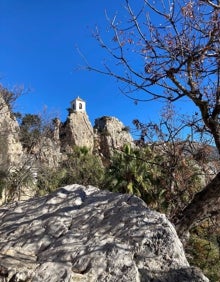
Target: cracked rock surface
[(84, 234)]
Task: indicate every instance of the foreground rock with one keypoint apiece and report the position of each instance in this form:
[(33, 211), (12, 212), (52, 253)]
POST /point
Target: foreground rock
[(84, 234)]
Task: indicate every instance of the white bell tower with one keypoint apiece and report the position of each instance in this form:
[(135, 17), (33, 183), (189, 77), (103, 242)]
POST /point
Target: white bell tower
[(78, 105)]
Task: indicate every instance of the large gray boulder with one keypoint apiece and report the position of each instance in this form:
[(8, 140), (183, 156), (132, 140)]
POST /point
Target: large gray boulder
[(83, 234)]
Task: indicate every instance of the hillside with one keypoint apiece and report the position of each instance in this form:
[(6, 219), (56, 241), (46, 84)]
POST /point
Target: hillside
[(37, 160)]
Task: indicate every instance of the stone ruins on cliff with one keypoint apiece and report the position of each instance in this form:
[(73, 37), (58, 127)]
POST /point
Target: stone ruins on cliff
[(83, 234)]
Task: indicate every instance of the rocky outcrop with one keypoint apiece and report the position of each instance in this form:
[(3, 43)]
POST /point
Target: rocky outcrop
[(48, 153), (10, 147), (111, 134), (84, 234), (107, 135), (77, 130)]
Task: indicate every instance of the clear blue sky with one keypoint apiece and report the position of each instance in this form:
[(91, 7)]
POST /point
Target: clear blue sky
[(38, 42)]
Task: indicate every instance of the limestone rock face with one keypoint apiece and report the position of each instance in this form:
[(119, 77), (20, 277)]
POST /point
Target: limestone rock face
[(48, 152), (83, 234), (11, 151), (78, 131), (111, 134)]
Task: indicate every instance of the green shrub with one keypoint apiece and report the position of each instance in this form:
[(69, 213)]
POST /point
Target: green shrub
[(203, 249), (162, 181), (82, 167), (13, 181), (49, 180)]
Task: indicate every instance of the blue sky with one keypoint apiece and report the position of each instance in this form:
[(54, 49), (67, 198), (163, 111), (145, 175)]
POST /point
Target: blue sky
[(38, 51)]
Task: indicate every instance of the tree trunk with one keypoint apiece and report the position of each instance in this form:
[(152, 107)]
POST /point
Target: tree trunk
[(204, 204)]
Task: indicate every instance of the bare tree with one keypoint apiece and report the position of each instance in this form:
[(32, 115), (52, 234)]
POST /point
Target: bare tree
[(8, 97), (170, 50)]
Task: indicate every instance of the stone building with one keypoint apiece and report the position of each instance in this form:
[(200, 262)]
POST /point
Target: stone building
[(78, 105)]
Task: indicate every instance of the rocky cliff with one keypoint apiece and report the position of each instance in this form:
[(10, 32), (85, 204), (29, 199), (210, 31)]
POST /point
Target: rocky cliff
[(53, 146), (108, 134), (84, 234), (78, 131), (111, 134), (11, 152)]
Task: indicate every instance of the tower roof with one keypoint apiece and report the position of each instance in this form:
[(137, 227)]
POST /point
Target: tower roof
[(78, 99)]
